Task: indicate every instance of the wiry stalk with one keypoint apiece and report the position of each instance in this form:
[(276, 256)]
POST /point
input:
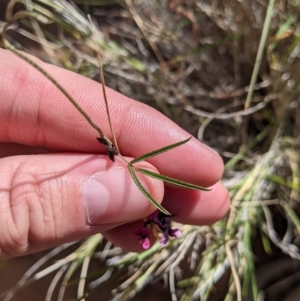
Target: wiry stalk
[(103, 87), (58, 85)]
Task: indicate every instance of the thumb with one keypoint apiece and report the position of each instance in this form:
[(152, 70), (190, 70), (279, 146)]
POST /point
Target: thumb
[(50, 199)]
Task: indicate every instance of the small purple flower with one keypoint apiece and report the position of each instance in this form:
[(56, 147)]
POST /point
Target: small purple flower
[(157, 221), (176, 233), (163, 221), (143, 233)]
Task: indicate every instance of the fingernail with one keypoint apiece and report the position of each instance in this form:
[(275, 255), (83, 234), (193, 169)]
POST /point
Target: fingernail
[(112, 196)]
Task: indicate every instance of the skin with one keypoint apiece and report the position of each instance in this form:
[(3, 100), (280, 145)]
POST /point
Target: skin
[(48, 151)]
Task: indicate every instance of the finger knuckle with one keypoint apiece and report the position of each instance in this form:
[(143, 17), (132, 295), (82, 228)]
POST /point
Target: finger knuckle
[(29, 213)]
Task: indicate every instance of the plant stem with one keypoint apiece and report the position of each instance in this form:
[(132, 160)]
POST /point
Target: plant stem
[(260, 51), (61, 88)]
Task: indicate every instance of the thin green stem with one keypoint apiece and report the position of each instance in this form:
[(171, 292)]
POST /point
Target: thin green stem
[(260, 52), (103, 84), (61, 88)]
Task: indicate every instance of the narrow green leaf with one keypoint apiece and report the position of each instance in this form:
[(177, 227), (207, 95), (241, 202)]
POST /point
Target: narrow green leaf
[(145, 192), (170, 180), (159, 151)]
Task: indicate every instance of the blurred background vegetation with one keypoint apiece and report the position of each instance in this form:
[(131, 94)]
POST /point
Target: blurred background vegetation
[(228, 72)]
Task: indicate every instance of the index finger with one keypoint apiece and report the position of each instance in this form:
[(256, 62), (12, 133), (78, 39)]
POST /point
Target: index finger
[(34, 112)]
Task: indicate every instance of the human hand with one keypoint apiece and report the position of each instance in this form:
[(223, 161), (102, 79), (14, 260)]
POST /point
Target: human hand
[(55, 187)]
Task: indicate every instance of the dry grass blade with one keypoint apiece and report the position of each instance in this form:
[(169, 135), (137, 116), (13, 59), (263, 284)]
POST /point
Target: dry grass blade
[(83, 276), (140, 24), (55, 281)]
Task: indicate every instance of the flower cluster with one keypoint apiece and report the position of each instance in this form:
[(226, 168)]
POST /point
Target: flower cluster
[(156, 222)]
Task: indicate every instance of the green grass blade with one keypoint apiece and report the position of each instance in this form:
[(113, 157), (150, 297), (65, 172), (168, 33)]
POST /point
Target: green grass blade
[(170, 180), (260, 52), (159, 151), (145, 192)]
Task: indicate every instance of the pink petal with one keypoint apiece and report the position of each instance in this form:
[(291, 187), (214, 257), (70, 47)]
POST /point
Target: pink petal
[(176, 233), (145, 243)]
